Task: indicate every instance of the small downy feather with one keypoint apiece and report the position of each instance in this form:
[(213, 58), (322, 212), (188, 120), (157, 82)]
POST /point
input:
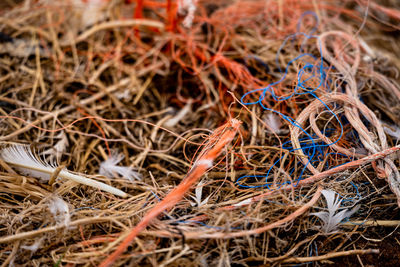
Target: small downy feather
[(92, 11), (392, 130), (187, 7), (33, 247), (274, 122), (59, 148), (199, 193), (60, 210), (331, 218), (109, 168), (22, 158), (179, 116)]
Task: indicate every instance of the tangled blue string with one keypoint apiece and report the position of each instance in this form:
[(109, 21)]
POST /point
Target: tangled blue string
[(312, 147)]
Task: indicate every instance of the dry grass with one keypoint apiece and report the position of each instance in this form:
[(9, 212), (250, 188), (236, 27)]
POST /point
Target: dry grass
[(83, 91)]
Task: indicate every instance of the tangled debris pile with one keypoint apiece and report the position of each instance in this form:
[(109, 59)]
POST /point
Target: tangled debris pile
[(130, 96)]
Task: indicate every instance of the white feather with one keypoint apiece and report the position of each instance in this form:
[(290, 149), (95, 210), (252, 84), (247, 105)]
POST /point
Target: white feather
[(181, 114), (59, 148), (92, 11), (187, 7), (243, 202), (23, 48), (331, 218), (28, 163), (109, 168), (199, 193), (60, 210), (392, 130), (125, 94), (34, 247), (274, 122)]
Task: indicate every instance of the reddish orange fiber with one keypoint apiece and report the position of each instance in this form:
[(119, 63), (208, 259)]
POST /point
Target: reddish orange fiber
[(227, 133)]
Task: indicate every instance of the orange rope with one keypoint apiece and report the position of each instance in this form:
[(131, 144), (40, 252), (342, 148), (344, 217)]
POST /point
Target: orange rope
[(204, 162)]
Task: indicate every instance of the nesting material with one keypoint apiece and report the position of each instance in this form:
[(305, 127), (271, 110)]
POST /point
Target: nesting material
[(149, 95)]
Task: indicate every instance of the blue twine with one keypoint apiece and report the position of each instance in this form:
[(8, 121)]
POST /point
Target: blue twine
[(312, 147)]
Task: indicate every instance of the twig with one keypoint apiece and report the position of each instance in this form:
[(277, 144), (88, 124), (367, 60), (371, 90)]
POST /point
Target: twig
[(115, 24), (384, 223), (11, 257), (333, 255), (55, 174), (30, 234)]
